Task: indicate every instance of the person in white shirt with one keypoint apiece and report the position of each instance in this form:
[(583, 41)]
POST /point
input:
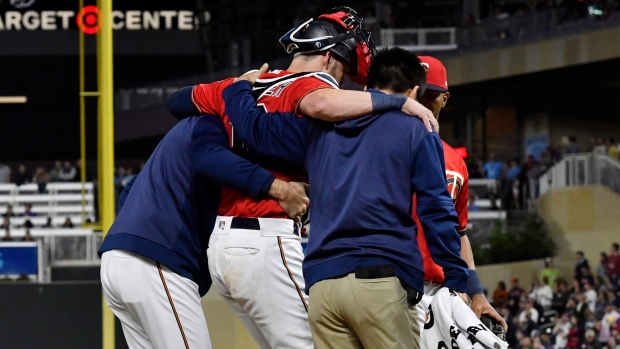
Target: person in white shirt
[(607, 323), (561, 330), (528, 312), (544, 294), (590, 295)]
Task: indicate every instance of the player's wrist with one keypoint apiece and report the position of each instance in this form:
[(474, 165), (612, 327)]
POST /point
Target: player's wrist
[(278, 189), (382, 103), (474, 287)]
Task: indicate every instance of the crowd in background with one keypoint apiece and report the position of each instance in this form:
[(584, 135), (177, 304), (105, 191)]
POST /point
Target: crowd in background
[(578, 311), (514, 175)]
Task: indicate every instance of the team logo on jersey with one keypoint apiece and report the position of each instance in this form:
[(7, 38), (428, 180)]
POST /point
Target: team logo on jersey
[(455, 184), (222, 225)]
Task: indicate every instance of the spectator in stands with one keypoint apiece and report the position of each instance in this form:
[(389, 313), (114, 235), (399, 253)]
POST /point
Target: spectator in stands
[(613, 149), (500, 295), (471, 202), (371, 22), (528, 318), (28, 211), (573, 148), (55, 172), (7, 235), (599, 148), (511, 187), (608, 322), (586, 276), (601, 269), (514, 296), (27, 224), (550, 272), (6, 223), (22, 176), (493, 169), (27, 236), (67, 172), (581, 262), (48, 223), (9, 211), (561, 330), (41, 177), (476, 169), (590, 296), (5, 173), (68, 223), (560, 296), (128, 177), (543, 294), (613, 264), (590, 340)]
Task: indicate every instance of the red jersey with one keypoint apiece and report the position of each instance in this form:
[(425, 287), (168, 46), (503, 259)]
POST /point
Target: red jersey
[(458, 187), (277, 90)]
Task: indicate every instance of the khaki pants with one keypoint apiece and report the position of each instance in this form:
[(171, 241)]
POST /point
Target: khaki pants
[(362, 313)]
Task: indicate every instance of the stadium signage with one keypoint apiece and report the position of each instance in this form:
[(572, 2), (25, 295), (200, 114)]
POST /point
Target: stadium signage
[(127, 20)]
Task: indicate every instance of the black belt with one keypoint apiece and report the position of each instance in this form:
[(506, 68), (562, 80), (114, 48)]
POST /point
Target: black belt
[(252, 224), (385, 271)]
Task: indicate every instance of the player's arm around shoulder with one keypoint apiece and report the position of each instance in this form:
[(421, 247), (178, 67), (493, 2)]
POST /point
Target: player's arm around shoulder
[(275, 134)]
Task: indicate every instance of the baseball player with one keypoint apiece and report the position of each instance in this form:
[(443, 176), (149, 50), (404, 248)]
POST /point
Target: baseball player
[(153, 265), (254, 252), (435, 98)]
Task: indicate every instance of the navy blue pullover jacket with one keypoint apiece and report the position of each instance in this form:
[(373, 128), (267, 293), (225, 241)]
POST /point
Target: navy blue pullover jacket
[(363, 174), (169, 213)]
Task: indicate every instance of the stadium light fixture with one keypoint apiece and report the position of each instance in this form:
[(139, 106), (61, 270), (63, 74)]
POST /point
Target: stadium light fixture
[(13, 99)]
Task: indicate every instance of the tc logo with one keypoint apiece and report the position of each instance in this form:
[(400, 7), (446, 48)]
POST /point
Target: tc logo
[(1, 261)]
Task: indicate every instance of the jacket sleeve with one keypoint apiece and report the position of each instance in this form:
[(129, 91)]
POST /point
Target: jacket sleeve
[(436, 210), (277, 134), (212, 157), (179, 103)]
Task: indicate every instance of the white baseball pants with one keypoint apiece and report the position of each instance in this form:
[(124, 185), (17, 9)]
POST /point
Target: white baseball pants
[(257, 270), (157, 307)]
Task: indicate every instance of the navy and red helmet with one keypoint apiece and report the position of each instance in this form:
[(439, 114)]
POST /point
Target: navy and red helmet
[(339, 31)]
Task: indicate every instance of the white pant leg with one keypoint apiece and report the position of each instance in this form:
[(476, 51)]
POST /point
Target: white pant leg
[(157, 307), (262, 275)]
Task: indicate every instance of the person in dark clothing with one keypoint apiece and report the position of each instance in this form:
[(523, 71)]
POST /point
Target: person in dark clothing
[(361, 223), (581, 263)]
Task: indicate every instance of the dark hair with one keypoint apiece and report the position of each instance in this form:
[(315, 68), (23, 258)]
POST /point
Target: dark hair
[(397, 70), (616, 246), (580, 253)]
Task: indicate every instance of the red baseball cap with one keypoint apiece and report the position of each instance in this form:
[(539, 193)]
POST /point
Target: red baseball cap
[(436, 76)]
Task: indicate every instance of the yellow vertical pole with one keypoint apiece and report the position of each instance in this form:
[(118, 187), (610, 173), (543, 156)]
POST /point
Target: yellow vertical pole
[(82, 121), (106, 141)]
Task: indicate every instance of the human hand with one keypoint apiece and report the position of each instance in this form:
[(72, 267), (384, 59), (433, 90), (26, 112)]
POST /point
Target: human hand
[(481, 306), (252, 75), (416, 109), (292, 197)]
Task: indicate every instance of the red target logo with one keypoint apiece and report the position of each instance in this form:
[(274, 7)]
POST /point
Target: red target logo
[(88, 19)]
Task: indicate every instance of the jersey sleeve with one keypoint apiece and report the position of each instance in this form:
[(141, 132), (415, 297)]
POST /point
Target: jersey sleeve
[(300, 88), (461, 203), (208, 97)]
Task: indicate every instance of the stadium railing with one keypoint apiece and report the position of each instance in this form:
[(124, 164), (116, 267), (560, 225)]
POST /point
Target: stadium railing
[(423, 39), (577, 170)]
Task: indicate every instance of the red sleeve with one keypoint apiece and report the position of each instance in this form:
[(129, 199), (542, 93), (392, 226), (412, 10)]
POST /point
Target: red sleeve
[(208, 97), (302, 87), (461, 203)]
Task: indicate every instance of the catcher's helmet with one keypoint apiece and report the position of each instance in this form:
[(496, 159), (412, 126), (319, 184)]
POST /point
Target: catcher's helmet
[(339, 31)]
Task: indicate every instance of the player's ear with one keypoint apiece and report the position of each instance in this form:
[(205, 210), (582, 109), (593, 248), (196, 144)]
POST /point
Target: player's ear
[(413, 93), (446, 96), (327, 58)]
